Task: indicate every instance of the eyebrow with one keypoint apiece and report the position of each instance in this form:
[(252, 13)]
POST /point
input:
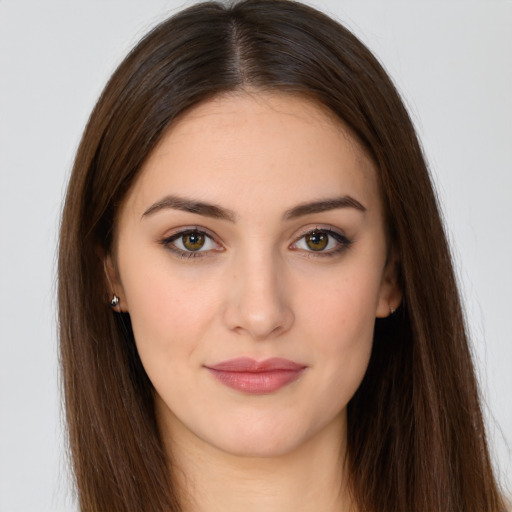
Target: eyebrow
[(189, 205), (218, 212), (323, 205)]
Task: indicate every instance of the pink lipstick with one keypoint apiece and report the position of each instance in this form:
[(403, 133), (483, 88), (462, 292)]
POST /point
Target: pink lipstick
[(256, 377)]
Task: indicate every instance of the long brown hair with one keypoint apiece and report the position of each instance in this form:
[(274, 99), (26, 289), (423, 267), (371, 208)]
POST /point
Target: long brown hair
[(416, 440)]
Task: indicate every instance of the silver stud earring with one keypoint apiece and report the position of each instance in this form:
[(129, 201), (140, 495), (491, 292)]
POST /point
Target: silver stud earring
[(391, 310), (115, 301)]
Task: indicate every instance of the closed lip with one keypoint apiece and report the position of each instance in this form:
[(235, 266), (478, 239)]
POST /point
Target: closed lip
[(248, 365), (256, 377)]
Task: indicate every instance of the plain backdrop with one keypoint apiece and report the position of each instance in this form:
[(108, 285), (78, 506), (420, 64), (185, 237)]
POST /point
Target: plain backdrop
[(452, 62)]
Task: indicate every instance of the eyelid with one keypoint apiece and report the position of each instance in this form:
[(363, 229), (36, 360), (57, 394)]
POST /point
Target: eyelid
[(175, 232), (168, 239), (342, 240)]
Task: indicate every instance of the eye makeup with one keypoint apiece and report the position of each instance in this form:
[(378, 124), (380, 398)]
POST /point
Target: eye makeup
[(192, 242), (196, 242), (321, 242)]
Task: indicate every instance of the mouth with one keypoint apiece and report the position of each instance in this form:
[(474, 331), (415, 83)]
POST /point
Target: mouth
[(256, 377)]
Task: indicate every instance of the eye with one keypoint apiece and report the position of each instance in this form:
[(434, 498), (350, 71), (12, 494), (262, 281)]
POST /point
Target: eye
[(191, 242), (325, 242)]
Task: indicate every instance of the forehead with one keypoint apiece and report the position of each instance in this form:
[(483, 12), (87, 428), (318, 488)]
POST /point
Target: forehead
[(253, 148)]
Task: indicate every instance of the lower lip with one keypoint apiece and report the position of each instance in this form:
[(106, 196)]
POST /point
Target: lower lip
[(257, 382)]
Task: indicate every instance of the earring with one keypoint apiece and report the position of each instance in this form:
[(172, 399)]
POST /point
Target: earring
[(391, 310), (115, 301)]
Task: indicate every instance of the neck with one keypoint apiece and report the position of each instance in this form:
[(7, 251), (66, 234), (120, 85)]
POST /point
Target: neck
[(312, 477)]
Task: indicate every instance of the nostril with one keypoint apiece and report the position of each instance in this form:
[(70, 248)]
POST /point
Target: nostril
[(260, 319), (257, 303)]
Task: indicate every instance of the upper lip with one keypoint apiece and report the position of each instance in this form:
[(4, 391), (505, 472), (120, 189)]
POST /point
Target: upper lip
[(246, 364)]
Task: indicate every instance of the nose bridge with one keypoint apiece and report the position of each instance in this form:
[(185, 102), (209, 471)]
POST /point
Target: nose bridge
[(258, 303)]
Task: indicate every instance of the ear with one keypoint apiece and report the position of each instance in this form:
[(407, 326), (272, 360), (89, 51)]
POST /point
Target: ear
[(390, 293), (113, 284)]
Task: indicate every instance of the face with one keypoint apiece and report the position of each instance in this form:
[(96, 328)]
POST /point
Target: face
[(251, 255)]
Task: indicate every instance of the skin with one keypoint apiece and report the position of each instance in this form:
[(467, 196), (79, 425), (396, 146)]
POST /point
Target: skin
[(256, 289)]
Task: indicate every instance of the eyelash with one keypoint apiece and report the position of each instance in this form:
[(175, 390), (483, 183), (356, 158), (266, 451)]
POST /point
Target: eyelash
[(342, 241), (168, 244)]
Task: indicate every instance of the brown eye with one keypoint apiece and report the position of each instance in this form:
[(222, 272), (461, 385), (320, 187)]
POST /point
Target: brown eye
[(193, 240), (191, 243), (317, 240), (322, 242)]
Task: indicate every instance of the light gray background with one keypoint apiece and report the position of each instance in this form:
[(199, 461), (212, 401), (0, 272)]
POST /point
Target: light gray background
[(452, 61)]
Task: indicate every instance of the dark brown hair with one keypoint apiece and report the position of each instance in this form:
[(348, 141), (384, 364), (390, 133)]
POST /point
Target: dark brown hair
[(416, 440)]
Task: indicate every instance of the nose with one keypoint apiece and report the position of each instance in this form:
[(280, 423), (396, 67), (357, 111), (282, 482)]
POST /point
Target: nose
[(258, 302)]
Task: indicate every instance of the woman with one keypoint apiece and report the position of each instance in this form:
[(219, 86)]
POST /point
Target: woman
[(257, 303)]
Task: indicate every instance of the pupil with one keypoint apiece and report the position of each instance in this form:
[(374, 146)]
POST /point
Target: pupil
[(317, 241), (193, 241)]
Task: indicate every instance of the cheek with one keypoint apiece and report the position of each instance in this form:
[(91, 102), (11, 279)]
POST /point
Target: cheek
[(344, 308), (341, 330), (169, 313)]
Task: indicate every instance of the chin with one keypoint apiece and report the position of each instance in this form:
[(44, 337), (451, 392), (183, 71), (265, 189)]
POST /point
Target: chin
[(258, 445), (272, 436)]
